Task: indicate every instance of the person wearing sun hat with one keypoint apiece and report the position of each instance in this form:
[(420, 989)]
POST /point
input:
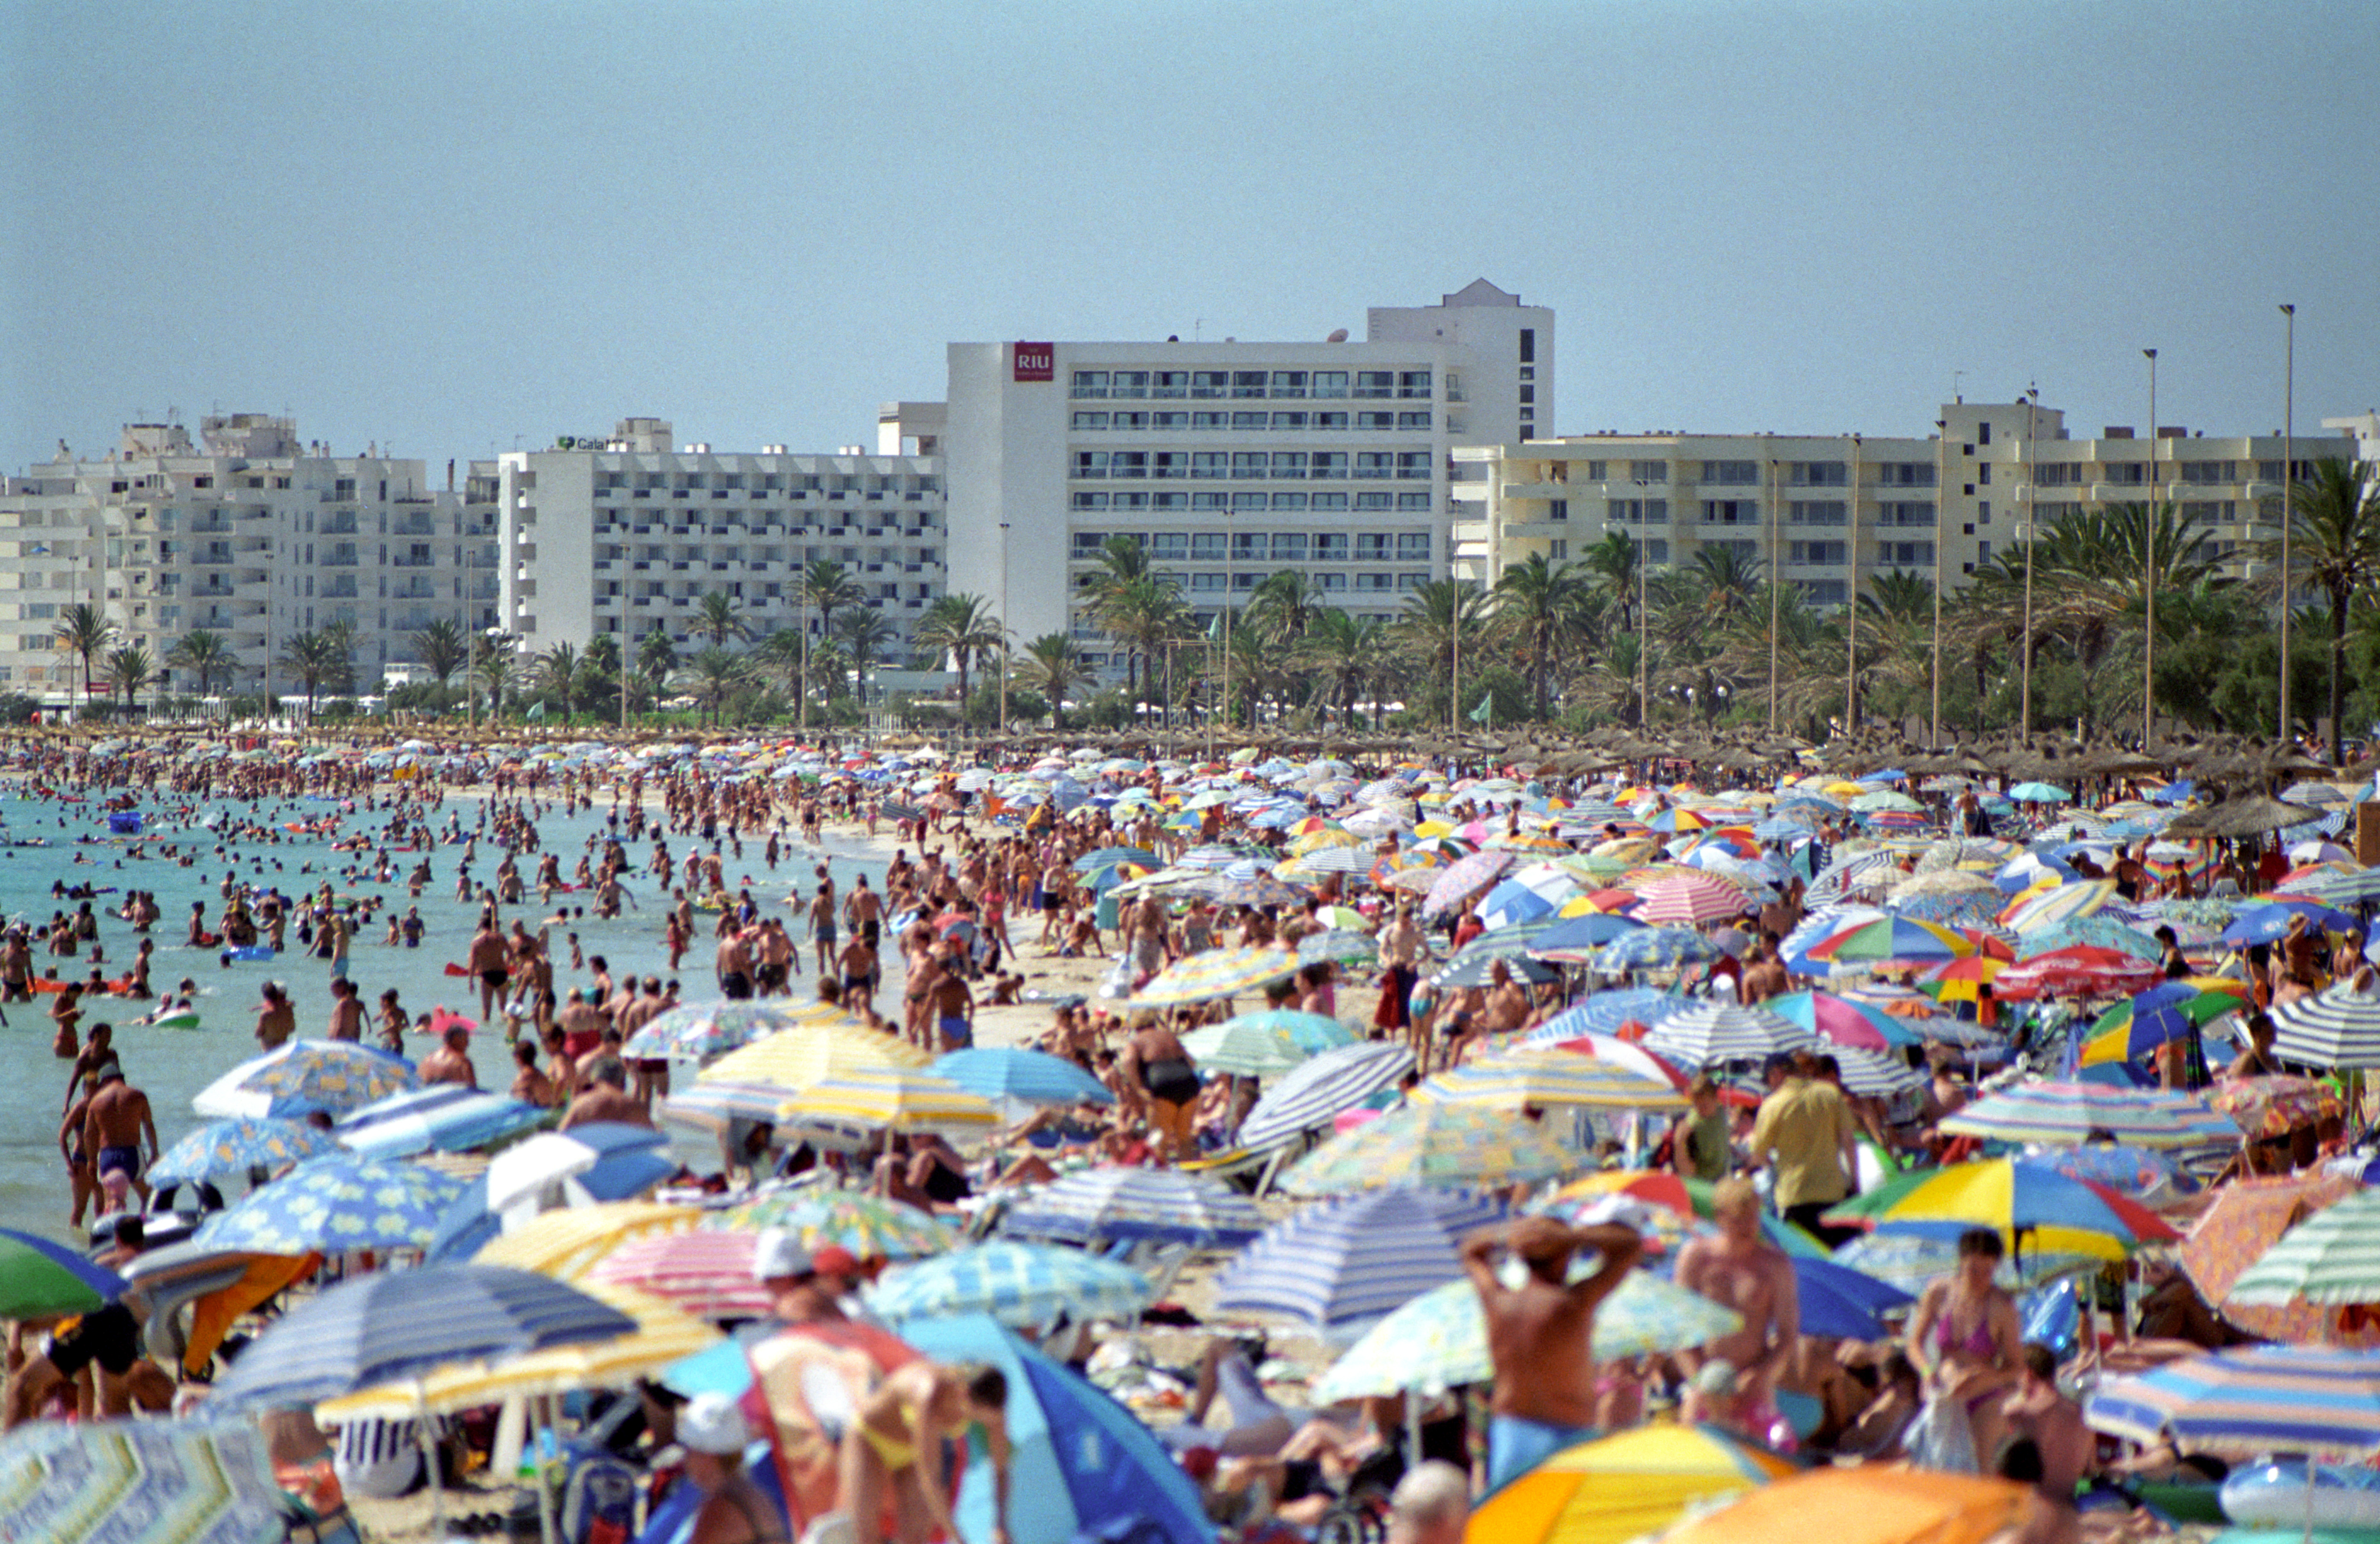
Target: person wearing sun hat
[(804, 1287), (711, 1429)]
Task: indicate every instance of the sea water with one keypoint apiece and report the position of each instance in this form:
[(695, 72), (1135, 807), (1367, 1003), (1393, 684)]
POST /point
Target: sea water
[(172, 1065)]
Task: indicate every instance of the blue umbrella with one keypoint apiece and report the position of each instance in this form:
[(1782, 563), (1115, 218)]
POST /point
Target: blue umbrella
[(1028, 1076), (1311, 1033), (1604, 1013), (1081, 1465), (304, 1076), (395, 1324), (1338, 1266), (446, 1118), (2270, 922), (332, 1205), (1656, 949), (1837, 1300), (1308, 1096), (1576, 939), (1098, 1204), (1024, 1284), (228, 1149), (1477, 969)]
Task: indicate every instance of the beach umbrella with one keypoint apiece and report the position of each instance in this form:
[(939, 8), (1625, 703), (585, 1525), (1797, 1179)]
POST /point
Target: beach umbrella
[(1241, 1049), (1872, 1073), (1605, 1013), (889, 1099), (1548, 1077), (1462, 880), (1891, 938), (2332, 1259), (230, 1148), (1655, 949), (304, 1076), (2133, 1029), (1080, 1465), (1527, 894), (2136, 1173), (2253, 1399), (1430, 1144), (706, 1273), (1310, 1033), (1096, 1204), (1689, 900), (1910, 1260), (1716, 1032), (2338, 1028), (1439, 1341), (1690, 1198), (871, 1227), (1628, 1485), (2067, 1114), (2270, 923), (1341, 1263), (716, 1107), (2242, 1220), (2276, 1104), (564, 1244), (1842, 1021), (2066, 903), (1476, 967), (552, 1159), (444, 1117), (1579, 939), (1338, 946), (1330, 1082), (794, 1060), (2101, 931), (2027, 1204), (1216, 973), (1023, 1285), (39, 1278), (1028, 1076), (332, 1205), (2092, 971), (701, 1030), (133, 1482), (1257, 892), (1874, 1503)]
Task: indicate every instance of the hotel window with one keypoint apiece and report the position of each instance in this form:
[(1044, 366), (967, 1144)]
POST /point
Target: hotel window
[(1289, 501), (1413, 546), (1326, 580), (1248, 383), (1330, 546), (1246, 504), (1528, 394), (1528, 346), (1289, 420), (1131, 500), (1088, 542), (1376, 383), (1984, 475), (1731, 473), (1729, 512), (1090, 463), (1413, 502), (1329, 501), (1251, 421), (1815, 512), (1905, 474), (1169, 546), (1090, 420), (1329, 421), (1206, 581), (1897, 513), (1558, 550), (1162, 421), (1818, 474), (1375, 501), (1648, 471), (1169, 500), (1246, 464), (1327, 464), (1372, 546), (1244, 581), (1655, 551), (1289, 546), (1206, 546), (1288, 382), (1128, 463), (1173, 464), (1090, 500), (1598, 471), (1414, 420), (1375, 463), (1816, 552), (1128, 420), (1210, 420), (1375, 581), (1210, 463), (1090, 383), (1248, 546), (1330, 382), (1210, 382), (1376, 420), (1414, 383), (1289, 463), (1412, 581), (1169, 383), (1210, 501), (1412, 464), (1128, 383)]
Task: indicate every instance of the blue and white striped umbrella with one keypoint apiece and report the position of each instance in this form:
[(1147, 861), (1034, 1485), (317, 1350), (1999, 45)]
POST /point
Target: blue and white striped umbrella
[(332, 1205), (402, 1324), (711, 1106), (2255, 1399), (440, 1118), (1711, 1033), (2336, 1028), (1339, 1265), (1023, 1285), (1095, 1205), (1029, 1076), (228, 1149), (1308, 1097), (1604, 1013)]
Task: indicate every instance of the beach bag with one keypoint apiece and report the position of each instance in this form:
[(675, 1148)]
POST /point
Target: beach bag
[(1942, 1439), (598, 1501)]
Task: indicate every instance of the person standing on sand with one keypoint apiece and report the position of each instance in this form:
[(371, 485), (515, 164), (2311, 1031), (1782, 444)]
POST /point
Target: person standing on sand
[(1540, 1332)]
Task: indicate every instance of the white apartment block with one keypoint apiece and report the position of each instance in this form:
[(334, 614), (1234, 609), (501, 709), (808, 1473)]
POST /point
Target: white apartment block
[(246, 532), (624, 534), (1227, 460), (1828, 512)]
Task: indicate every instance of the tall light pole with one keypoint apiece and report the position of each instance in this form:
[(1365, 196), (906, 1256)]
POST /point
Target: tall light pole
[(2149, 574), (1230, 570), (2288, 458), (1851, 636), (471, 673), (1643, 606), (1004, 631), (2032, 516), (1775, 589), (1941, 487)]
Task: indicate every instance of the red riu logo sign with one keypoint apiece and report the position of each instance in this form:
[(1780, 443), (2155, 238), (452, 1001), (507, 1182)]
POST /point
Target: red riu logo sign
[(1035, 361)]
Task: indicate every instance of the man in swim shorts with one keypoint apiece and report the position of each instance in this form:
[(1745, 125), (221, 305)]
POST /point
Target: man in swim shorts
[(115, 1125)]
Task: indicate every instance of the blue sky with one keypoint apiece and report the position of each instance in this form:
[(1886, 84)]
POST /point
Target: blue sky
[(444, 227)]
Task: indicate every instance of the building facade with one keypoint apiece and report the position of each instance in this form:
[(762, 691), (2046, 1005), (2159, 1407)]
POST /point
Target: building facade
[(624, 535), (245, 532), (1827, 512), (1227, 460)]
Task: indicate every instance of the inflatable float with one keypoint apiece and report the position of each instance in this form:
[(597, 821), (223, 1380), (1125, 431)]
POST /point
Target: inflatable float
[(2277, 1495), (182, 1018), (251, 953)]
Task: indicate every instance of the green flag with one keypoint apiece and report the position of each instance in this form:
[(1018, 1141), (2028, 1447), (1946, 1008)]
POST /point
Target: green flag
[(1485, 711)]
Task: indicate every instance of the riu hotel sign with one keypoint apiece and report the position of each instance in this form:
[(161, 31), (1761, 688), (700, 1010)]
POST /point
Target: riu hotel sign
[(1035, 361)]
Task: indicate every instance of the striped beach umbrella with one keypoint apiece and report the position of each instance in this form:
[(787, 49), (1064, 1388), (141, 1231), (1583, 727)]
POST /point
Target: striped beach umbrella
[(1242, 1049), (2067, 1114), (1710, 1033), (1892, 938), (2066, 903), (1343, 1263), (1330, 1082), (793, 1059), (1096, 1204), (1873, 1074), (1008, 1072), (1462, 880), (1689, 899), (2029, 1205), (709, 1274), (1216, 973), (2254, 1399), (1843, 1021), (2332, 1257), (889, 1098), (564, 1244), (871, 1227), (2338, 1028), (713, 1106), (1606, 1012), (1548, 1076), (1431, 1144), (1022, 1285)]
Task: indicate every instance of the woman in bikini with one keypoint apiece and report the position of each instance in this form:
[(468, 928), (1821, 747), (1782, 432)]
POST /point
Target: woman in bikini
[(1965, 1335), (893, 1450)]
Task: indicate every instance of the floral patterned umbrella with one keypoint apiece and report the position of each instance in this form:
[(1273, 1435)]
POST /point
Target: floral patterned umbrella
[(332, 1205), (228, 1149), (871, 1227), (2246, 1218), (2274, 1105), (701, 1030)]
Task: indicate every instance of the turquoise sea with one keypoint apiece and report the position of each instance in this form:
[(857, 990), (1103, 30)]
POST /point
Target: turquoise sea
[(172, 1065)]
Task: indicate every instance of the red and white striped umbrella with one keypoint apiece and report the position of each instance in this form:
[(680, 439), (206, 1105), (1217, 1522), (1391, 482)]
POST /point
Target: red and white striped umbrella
[(708, 1274), (1689, 900)]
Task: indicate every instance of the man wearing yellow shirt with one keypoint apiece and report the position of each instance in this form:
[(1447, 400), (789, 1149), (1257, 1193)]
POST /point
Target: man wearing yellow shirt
[(1805, 1133)]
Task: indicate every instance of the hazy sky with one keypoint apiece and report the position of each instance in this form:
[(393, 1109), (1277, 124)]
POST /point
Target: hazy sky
[(444, 227)]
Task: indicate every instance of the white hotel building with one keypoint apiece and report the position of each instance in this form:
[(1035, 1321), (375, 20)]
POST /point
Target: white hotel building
[(1230, 460), (624, 534), (246, 532)]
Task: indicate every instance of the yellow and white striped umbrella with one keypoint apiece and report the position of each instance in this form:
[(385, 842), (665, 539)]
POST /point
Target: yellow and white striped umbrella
[(795, 1059), (895, 1098), (564, 1244), (1518, 1078), (664, 1334)]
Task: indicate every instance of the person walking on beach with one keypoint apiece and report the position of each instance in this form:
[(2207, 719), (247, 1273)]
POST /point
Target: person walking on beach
[(1540, 1332)]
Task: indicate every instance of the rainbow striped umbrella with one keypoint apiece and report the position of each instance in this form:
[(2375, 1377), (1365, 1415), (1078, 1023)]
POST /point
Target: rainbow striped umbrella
[(1893, 938), (2065, 903), (2309, 1398), (2066, 1114)]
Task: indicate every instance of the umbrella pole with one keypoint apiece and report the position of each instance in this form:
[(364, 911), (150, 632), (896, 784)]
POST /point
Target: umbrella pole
[(547, 1529), (1413, 1430), (428, 1460)]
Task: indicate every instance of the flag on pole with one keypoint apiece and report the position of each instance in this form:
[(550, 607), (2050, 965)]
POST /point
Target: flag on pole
[(1485, 711)]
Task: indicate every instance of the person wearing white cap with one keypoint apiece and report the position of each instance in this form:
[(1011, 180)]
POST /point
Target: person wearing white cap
[(712, 1430), (804, 1287)]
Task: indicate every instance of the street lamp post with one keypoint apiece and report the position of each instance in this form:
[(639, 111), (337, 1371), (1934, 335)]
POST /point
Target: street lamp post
[(1004, 631), (2032, 516), (2288, 458), (1850, 608), (1941, 487), (1230, 574), (1775, 589), (2149, 574)]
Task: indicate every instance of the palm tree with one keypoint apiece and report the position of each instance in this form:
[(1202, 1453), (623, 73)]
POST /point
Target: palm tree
[(442, 649), (715, 618), (1284, 605), (85, 630), (1120, 592), (656, 657), (1544, 607), (827, 587), (1901, 593), (129, 671), (1615, 560), (781, 652), (316, 658), (2333, 548), (556, 676), (713, 674), (206, 655), (867, 633), (1443, 620), (960, 627), (498, 665), (1050, 665), (1346, 648)]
